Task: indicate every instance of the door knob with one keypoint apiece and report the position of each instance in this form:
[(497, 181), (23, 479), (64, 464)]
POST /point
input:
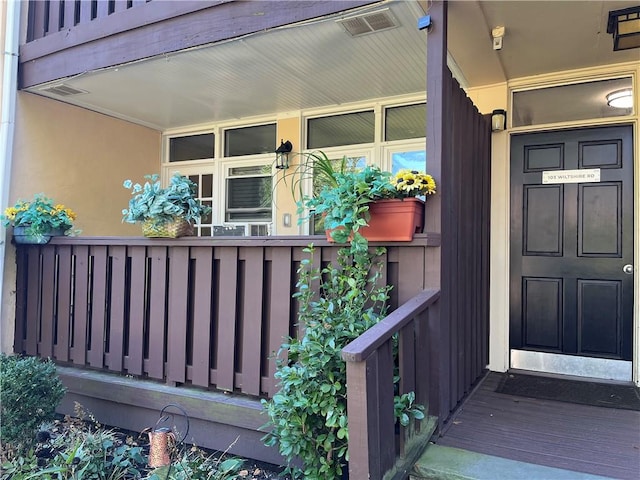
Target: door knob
[(628, 269)]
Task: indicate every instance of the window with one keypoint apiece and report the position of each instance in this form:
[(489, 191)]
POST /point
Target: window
[(567, 103), (250, 140), (191, 147), (337, 130), (248, 193), (412, 160), (408, 121)]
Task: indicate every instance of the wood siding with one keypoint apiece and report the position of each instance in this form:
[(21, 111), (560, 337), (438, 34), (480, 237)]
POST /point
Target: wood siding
[(199, 312), (64, 36)]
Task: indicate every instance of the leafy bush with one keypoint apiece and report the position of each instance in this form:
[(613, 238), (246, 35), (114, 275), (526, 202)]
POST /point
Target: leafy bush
[(31, 391), (80, 448), (309, 412)]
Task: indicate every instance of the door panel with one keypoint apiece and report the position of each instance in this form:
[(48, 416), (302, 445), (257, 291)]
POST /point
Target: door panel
[(569, 243)]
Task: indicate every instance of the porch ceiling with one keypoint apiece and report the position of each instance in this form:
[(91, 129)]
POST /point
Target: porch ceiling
[(316, 63)]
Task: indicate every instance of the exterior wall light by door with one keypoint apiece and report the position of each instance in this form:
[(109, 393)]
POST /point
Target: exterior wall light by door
[(498, 120), (620, 98), (282, 154), (624, 25)]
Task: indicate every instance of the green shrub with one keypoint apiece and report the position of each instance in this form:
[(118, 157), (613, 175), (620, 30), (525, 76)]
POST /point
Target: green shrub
[(308, 415), (30, 391)]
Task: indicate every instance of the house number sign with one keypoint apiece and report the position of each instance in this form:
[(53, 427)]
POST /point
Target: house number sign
[(571, 176)]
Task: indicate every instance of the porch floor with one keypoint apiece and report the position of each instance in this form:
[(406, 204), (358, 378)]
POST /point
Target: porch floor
[(580, 438)]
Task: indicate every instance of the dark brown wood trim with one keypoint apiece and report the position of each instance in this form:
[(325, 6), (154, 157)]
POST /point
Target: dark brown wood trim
[(438, 219), (73, 51), (419, 240), (363, 346)]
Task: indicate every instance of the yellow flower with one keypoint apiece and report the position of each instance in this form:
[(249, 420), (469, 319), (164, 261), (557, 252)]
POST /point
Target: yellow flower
[(412, 183)]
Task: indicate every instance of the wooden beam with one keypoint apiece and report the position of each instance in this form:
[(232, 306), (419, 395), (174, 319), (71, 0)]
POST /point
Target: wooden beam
[(157, 28), (437, 217)]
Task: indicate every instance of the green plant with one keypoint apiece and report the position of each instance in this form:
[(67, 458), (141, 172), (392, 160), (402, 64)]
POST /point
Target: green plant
[(153, 202), (31, 391), (40, 216), (308, 415), (345, 205), (196, 464), (315, 168)]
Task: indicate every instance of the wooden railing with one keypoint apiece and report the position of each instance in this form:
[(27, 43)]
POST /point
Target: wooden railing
[(203, 312), (376, 449)]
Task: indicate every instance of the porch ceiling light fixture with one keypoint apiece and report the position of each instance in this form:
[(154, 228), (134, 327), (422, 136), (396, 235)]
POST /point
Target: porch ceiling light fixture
[(498, 120), (620, 98), (624, 25), (282, 155)]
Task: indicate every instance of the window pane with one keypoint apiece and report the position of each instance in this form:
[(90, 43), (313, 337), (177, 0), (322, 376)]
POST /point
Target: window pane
[(581, 101), (336, 130), (249, 198), (191, 147), (409, 121), (415, 160), (250, 140)]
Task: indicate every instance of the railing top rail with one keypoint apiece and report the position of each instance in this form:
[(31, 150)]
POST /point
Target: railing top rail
[(363, 346), (423, 239)]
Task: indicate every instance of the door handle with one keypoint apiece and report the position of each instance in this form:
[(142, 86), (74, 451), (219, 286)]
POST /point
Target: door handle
[(628, 269)]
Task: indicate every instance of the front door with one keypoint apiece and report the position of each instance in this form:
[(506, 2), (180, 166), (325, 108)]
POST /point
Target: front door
[(571, 287)]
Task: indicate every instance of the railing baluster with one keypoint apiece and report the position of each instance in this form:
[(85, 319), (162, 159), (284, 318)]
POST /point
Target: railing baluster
[(69, 14), (117, 297), (98, 306), (177, 328), (47, 312), (202, 315), (80, 304), (54, 16), (157, 312), (64, 304), (251, 334), (137, 309), (279, 310), (33, 300), (226, 306)]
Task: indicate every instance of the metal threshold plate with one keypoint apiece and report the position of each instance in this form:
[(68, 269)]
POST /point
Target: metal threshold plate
[(592, 367)]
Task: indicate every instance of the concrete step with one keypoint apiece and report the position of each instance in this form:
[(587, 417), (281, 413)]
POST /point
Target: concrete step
[(447, 463)]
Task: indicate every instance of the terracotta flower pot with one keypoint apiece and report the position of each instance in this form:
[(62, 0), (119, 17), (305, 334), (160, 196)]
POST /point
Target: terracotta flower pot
[(393, 220)]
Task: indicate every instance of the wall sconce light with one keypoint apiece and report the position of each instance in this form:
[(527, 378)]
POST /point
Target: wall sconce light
[(624, 25), (620, 98), (282, 155), (498, 120)]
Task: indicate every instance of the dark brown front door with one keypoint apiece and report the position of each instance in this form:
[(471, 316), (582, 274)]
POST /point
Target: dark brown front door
[(570, 242)]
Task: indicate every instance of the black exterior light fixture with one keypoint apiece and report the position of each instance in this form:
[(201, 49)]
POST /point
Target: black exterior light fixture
[(624, 25), (282, 155), (498, 120)]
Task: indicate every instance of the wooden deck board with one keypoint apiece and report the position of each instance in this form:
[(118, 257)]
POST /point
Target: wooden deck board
[(582, 438)]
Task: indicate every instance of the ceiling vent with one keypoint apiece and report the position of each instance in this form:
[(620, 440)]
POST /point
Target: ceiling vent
[(62, 90), (369, 22)]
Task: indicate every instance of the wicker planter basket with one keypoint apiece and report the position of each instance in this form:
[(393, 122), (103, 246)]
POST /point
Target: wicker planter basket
[(178, 227)]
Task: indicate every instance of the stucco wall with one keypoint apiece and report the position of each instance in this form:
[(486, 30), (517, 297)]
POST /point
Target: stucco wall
[(80, 158)]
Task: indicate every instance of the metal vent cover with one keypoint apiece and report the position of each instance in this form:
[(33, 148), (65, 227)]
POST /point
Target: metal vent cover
[(62, 90), (368, 22)]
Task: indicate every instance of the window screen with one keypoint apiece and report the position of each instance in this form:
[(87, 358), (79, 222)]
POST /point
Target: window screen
[(337, 130), (250, 140)]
